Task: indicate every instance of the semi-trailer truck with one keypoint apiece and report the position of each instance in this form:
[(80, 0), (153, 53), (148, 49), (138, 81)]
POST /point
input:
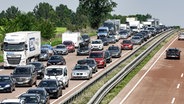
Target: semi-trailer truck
[(21, 47)]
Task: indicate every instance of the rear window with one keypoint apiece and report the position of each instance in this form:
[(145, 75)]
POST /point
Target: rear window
[(67, 43)]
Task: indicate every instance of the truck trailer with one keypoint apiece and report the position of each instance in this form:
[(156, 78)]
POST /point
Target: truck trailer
[(21, 47)]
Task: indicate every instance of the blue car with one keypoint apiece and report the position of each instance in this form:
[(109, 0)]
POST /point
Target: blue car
[(48, 47), (6, 83)]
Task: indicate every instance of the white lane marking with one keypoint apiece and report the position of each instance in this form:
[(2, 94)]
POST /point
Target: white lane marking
[(178, 86), (128, 94), (172, 102), (181, 75), (20, 94), (68, 92)]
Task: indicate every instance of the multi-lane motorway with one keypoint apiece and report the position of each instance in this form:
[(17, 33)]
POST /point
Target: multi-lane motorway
[(152, 82), (159, 82)]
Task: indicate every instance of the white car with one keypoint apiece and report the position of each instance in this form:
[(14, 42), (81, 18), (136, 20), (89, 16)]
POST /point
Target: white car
[(97, 44), (13, 101), (181, 36), (58, 72), (117, 36)]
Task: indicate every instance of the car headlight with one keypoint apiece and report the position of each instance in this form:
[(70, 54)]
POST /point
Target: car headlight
[(7, 85), (45, 55), (28, 78)]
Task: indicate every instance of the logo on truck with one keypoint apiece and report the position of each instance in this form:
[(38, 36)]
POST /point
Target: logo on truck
[(32, 44)]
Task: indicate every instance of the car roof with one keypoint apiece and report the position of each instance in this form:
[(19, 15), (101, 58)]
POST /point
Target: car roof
[(57, 66), (37, 88), (97, 51), (25, 66), (29, 94), (11, 100)]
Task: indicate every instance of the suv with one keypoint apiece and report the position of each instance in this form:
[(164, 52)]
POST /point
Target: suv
[(173, 53), (25, 75), (57, 72), (97, 44), (99, 57), (12, 101)]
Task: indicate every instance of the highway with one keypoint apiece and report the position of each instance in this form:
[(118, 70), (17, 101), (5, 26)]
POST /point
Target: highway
[(159, 82)]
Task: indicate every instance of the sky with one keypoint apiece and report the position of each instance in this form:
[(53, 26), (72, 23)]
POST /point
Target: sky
[(170, 12)]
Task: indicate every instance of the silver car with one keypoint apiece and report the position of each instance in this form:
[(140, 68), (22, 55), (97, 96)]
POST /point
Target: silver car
[(136, 40), (60, 50), (81, 72)]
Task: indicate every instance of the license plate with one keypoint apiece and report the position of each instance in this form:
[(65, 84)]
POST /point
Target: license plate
[(20, 82)]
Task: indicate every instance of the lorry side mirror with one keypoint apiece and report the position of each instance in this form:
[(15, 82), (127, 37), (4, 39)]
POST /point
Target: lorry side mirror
[(1, 47)]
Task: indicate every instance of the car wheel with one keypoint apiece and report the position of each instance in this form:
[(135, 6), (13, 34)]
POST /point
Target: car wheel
[(67, 85)]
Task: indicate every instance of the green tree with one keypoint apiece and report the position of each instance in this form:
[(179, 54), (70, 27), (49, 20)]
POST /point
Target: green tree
[(12, 12), (96, 10)]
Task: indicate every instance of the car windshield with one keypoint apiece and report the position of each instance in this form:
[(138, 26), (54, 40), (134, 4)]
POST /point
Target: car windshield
[(85, 36), (113, 48), (43, 51), (173, 50), (102, 30), (36, 92), (54, 71), (61, 46), (47, 84), (22, 70), (96, 42), (123, 32), (126, 42), (96, 55), (135, 37), (44, 46), (79, 67), (4, 79), (55, 58), (29, 99), (84, 48)]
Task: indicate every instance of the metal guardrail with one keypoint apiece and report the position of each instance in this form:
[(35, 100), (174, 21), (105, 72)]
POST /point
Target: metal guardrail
[(100, 94), (78, 92)]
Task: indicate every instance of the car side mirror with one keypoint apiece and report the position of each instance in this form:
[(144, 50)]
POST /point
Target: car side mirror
[(26, 48)]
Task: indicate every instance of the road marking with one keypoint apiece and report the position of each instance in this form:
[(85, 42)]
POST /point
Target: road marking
[(128, 94), (181, 75), (172, 102), (20, 94), (178, 86), (68, 92)]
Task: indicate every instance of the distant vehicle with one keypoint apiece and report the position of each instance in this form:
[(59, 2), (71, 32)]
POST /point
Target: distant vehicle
[(24, 75), (70, 46), (124, 34), (56, 60), (12, 101), (44, 55), (44, 96), (48, 47), (83, 50), (126, 44), (61, 50), (99, 57), (75, 37), (115, 51), (81, 72), (105, 40), (173, 53), (6, 83), (96, 45), (111, 39), (53, 87), (141, 36), (117, 36), (40, 68), (31, 98), (21, 47), (113, 25), (152, 30), (89, 61), (181, 36), (86, 38), (147, 32), (136, 40), (58, 72), (103, 31), (108, 56)]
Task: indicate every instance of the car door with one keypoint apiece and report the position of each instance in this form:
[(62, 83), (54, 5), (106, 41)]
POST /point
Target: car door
[(65, 76), (34, 74)]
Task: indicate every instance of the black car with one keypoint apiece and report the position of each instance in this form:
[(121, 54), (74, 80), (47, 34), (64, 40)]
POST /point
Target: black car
[(30, 98), (56, 60), (115, 51), (83, 50), (105, 40), (24, 75), (89, 61), (173, 53), (44, 55), (52, 86), (108, 56), (40, 68), (44, 96), (86, 38), (6, 83)]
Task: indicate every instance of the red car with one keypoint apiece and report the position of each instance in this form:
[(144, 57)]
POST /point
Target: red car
[(126, 44), (70, 46), (99, 57)]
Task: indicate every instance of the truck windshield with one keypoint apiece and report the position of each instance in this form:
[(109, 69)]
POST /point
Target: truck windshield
[(14, 47)]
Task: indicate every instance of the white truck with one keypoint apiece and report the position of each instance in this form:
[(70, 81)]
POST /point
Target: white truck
[(135, 26), (21, 47), (103, 31), (75, 37)]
